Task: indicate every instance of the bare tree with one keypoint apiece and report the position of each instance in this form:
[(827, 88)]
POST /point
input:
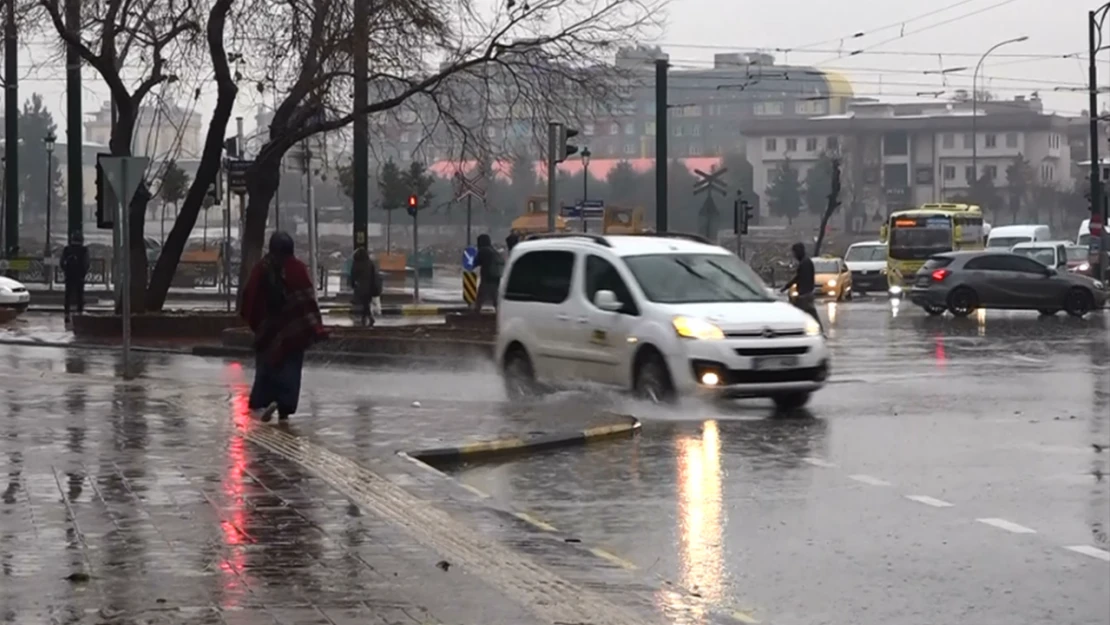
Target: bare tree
[(442, 67)]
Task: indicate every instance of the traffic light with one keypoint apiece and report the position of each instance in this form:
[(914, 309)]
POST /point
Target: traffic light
[(745, 216), (413, 205), (105, 201), (563, 150), (231, 146)]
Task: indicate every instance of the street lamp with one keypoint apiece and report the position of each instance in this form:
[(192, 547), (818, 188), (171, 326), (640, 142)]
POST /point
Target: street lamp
[(47, 265), (975, 102), (585, 182)]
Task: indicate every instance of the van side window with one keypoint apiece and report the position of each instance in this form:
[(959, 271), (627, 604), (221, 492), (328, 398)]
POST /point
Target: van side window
[(601, 275), (542, 276)]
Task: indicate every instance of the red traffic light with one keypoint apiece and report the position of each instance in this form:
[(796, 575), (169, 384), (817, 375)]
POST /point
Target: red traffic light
[(412, 201)]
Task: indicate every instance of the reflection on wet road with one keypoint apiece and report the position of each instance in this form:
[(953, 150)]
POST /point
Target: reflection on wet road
[(951, 474)]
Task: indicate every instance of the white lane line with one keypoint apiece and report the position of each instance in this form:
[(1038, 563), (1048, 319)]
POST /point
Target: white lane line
[(1094, 552), (1009, 526), (817, 462), (929, 501), (867, 479)]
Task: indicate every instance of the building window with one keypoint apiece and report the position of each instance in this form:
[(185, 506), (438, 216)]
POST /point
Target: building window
[(649, 129), (896, 176), (990, 140), (678, 130), (810, 107), (949, 171), (969, 174), (588, 130), (405, 137), (696, 130), (630, 148), (1048, 172), (832, 144), (1011, 140), (611, 149), (767, 108), (695, 149), (990, 172), (791, 145), (811, 144), (969, 141), (629, 128), (770, 144), (948, 141), (614, 128), (896, 144)]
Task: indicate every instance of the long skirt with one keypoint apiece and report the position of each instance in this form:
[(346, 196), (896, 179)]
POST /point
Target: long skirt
[(279, 383)]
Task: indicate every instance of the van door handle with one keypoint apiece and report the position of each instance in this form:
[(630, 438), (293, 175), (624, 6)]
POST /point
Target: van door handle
[(563, 317)]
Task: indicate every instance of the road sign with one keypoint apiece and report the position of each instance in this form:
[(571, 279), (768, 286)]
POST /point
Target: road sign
[(469, 187), (470, 287), (470, 258), (710, 182), (237, 175), (124, 173), (578, 211)]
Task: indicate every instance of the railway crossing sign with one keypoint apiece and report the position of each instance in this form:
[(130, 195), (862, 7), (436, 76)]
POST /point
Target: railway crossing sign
[(468, 187), (710, 183)]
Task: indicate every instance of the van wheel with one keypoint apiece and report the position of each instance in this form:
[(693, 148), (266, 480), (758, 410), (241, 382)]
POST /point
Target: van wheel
[(1078, 303), (962, 302), (653, 381), (518, 374), (791, 401)]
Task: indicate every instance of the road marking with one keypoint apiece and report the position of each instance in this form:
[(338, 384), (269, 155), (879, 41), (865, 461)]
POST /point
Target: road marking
[(929, 501), (474, 490), (612, 557), (1009, 526), (743, 618), (533, 521), (817, 462), (867, 479), (1088, 550)]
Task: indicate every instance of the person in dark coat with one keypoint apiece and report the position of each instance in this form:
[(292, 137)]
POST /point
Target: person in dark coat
[(366, 282), (511, 241), (279, 305), (490, 265), (804, 282), (75, 268)]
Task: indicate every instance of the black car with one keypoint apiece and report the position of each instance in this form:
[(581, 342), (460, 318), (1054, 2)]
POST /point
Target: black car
[(961, 282)]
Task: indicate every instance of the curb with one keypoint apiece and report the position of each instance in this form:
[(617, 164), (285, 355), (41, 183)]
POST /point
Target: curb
[(515, 446), (358, 358), (93, 347), (407, 310)]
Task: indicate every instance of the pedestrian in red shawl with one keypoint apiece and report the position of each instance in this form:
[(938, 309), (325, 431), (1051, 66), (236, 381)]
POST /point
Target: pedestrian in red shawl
[(280, 306)]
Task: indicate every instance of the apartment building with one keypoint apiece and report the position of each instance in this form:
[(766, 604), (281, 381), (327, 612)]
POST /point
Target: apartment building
[(162, 132), (707, 106), (896, 155)]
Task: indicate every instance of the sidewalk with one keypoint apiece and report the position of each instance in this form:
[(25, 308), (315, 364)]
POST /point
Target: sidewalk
[(161, 501)]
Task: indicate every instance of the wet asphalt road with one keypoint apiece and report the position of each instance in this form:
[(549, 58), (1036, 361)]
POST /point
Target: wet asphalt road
[(941, 478), (947, 476)]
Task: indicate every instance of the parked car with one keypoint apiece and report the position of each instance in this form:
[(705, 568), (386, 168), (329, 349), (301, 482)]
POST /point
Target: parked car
[(1049, 253), (867, 262), (660, 315), (1078, 260), (13, 295), (961, 282)]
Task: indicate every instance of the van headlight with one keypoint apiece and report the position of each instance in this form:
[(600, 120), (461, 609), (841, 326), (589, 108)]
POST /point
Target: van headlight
[(696, 328), (813, 328)]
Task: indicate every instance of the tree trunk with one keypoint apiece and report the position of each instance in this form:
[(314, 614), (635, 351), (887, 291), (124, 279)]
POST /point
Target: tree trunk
[(187, 213), (263, 179)]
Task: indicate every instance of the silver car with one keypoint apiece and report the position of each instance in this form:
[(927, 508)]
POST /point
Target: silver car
[(961, 282)]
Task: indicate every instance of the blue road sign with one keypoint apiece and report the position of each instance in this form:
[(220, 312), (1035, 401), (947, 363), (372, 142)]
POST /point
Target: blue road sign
[(470, 257), (592, 204)]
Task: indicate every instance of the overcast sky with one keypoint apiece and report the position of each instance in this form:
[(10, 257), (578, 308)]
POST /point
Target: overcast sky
[(901, 41)]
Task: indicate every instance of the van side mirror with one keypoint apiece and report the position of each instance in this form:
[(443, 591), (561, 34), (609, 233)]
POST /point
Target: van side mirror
[(607, 300)]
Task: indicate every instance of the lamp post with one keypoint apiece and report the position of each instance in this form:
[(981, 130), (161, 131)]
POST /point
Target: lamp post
[(975, 103), (585, 182), (47, 257)]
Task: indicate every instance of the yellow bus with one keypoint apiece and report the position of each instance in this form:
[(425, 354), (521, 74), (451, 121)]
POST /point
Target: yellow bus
[(912, 236)]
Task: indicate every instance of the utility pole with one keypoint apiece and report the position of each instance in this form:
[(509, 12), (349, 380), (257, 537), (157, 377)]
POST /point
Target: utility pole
[(552, 138), (360, 159), (661, 66), (11, 138), (313, 262), (75, 206), (1096, 184)]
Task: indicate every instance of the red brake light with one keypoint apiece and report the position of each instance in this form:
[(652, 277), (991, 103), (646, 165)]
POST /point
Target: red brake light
[(940, 274)]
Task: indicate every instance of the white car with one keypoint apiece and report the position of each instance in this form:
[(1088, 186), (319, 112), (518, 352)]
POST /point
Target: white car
[(867, 262), (13, 294), (661, 315)]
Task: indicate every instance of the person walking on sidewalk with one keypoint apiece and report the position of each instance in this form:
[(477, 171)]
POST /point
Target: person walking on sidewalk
[(279, 305), (366, 283), (490, 265), (75, 267), (804, 281)]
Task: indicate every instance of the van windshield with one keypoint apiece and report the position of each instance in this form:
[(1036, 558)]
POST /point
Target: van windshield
[(864, 253), (696, 278), (1006, 242)]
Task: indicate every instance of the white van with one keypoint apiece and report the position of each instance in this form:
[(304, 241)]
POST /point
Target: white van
[(1006, 237)]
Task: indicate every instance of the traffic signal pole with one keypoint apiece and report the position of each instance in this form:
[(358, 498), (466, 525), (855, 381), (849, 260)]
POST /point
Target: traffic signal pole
[(75, 209), (661, 66), (11, 138), (1096, 174), (552, 138)]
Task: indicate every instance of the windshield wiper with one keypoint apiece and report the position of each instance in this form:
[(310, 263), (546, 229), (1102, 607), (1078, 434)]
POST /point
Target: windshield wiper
[(693, 272), (736, 279)]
